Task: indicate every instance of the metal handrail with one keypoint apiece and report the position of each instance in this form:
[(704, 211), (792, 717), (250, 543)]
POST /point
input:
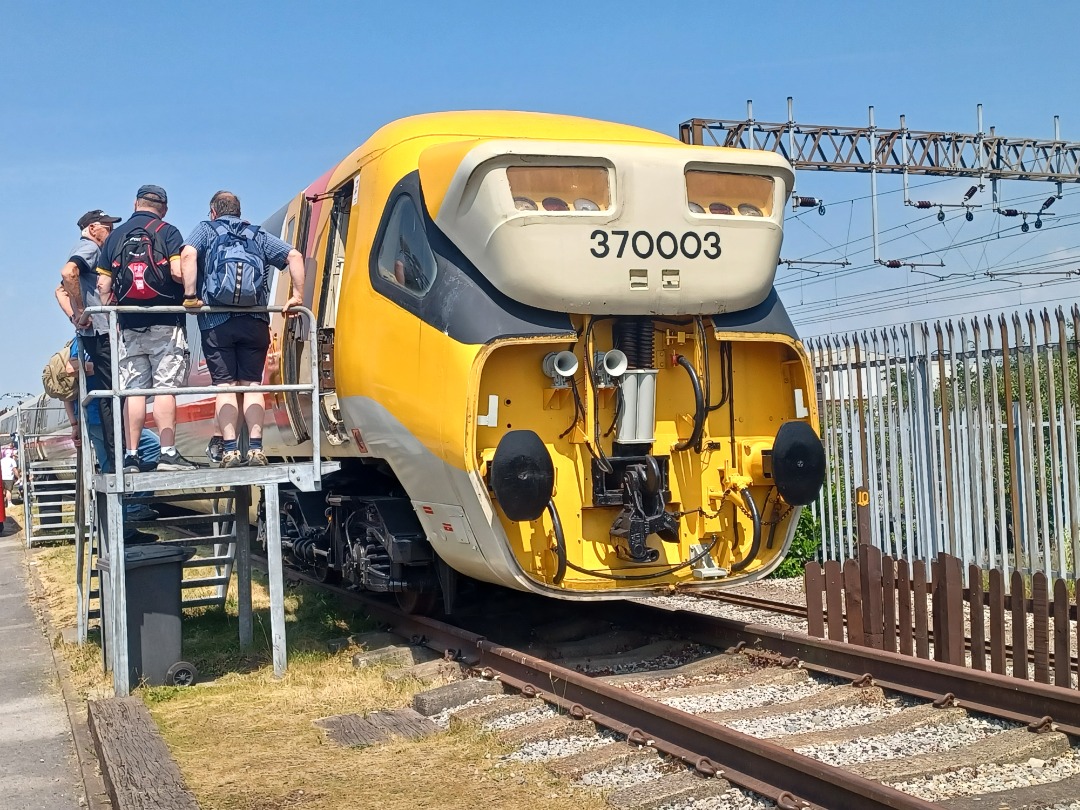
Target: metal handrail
[(117, 395)]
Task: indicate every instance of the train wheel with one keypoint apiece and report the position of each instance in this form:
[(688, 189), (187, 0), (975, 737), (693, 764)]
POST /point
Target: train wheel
[(422, 603), (323, 572)]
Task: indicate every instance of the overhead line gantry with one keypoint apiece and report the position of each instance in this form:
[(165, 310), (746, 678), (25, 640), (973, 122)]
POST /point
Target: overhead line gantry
[(983, 156)]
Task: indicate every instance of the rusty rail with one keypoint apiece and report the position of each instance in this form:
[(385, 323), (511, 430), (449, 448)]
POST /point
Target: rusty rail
[(790, 779)]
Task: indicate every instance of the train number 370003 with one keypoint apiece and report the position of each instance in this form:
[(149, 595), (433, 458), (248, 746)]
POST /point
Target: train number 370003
[(643, 244)]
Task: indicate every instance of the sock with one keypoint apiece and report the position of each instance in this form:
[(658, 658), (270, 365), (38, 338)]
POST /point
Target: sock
[(168, 449), (230, 445), (255, 444)]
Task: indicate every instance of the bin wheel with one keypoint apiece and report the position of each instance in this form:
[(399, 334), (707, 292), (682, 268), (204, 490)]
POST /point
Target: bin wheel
[(181, 674)]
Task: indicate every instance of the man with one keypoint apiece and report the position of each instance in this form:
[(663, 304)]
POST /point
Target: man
[(235, 343), (9, 470), (153, 346), (78, 290), (149, 447)]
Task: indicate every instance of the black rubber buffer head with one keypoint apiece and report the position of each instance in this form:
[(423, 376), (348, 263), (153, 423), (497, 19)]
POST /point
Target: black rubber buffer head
[(522, 475), (798, 463)]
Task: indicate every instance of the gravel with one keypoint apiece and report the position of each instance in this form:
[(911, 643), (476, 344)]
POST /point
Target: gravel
[(621, 776), (992, 778), (557, 748), (713, 607), (535, 713), (923, 740), (745, 698), (812, 720), (442, 719), (734, 799)]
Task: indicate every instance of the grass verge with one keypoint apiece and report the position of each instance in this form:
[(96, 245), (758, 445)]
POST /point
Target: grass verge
[(244, 740)]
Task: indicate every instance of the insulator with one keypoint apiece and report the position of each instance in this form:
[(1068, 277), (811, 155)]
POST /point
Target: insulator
[(894, 263), (924, 204), (807, 202), (1049, 202), (970, 193), (1009, 212)]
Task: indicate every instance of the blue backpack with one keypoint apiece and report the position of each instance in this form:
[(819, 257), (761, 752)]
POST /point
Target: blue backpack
[(235, 273)]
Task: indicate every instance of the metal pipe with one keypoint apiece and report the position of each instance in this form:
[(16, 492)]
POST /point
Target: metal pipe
[(560, 543), (755, 541), (699, 407)]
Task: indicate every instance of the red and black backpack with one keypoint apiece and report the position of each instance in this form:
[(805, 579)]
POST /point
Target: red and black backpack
[(140, 266)]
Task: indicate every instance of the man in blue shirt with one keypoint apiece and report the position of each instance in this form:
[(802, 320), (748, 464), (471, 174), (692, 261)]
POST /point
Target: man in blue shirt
[(235, 343), (153, 346), (78, 290)]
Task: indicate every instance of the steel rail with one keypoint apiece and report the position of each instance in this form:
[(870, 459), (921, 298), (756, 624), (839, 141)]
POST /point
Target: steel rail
[(754, 602), (799, 611), (778, 773), (998, 695)]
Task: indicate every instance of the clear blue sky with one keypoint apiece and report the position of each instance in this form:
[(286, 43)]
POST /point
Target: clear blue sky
[(262, 98)]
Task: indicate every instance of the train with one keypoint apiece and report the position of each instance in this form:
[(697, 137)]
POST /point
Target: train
[(551, 357)]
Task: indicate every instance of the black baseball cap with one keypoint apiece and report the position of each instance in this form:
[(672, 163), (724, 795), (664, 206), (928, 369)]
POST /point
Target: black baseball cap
[(97, 215), (153, 193)]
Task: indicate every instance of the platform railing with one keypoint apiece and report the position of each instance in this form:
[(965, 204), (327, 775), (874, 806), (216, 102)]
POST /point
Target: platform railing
[(117, 396), (112, 487)]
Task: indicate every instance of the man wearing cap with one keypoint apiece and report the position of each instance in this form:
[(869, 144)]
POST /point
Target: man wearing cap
[(78, 290), (153, 348)]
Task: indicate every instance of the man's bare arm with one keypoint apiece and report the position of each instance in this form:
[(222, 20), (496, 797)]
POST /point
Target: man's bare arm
[(104, 286), (296, 273), (69, 275), (189, 268), (64, 300)]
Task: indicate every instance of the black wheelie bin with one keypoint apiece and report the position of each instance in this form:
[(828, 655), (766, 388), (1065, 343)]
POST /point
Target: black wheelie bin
[(154, 574)]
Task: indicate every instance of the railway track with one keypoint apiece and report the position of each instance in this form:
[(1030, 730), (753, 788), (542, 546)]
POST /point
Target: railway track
[(700, 721)]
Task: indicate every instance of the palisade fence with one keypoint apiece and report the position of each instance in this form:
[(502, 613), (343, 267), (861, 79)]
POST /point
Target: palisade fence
[(956, 437)]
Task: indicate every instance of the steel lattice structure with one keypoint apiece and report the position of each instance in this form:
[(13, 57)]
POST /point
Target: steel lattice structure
[(895, 151)]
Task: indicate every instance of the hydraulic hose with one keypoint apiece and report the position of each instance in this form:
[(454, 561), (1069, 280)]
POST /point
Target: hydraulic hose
[(755, 542), (560, 543), (699, 407)]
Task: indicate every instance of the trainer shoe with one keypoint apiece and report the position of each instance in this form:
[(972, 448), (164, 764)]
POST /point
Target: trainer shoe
[(215, 448), (256, 458), (230, 458), (131, 463), (140, 511), (147, 466), (172, 461), (133, 537)]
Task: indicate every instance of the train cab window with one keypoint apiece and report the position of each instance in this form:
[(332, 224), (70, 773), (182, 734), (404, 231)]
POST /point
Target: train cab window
[(559, 188), (728, 193), (405, 257)]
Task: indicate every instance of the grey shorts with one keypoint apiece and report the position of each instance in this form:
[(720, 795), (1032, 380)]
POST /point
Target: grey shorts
[(154, 357)]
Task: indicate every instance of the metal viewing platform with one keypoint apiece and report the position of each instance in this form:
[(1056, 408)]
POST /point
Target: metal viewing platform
[(104, 499)]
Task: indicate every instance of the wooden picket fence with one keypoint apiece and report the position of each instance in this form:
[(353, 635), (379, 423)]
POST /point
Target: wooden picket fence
[(877, 601)]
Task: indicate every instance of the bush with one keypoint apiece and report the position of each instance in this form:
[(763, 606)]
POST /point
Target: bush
[(804, 547)]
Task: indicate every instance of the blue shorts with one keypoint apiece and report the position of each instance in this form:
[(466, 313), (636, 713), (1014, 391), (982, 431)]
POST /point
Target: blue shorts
[(235, 351)]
